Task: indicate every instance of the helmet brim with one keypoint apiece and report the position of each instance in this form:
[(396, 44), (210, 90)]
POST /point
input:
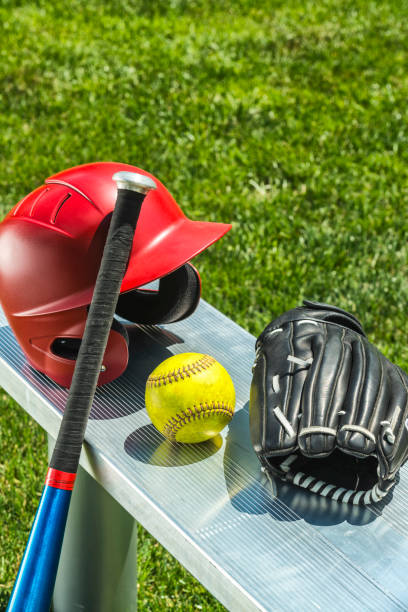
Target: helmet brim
[(182, 242)]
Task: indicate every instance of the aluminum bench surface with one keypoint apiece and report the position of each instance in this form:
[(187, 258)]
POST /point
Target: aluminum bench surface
[(209, 504)]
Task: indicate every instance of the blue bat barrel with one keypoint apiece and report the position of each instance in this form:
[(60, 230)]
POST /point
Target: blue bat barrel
[(38, 569)]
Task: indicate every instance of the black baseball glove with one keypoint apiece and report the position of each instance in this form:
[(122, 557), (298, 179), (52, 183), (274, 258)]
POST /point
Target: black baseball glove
[(328, 411)]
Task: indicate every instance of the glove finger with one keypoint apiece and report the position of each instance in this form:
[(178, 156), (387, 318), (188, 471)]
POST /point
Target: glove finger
[(324, 392), (265, 393), (366, 400), (281, 430), (393, 438), (298, 356), (287, 383), (283, 384)]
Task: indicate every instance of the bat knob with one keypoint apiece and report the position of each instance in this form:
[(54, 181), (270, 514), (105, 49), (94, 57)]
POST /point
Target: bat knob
[(132, 181)]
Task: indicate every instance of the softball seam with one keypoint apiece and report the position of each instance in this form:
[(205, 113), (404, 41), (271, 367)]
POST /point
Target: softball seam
[(204, 363), (204, 410)]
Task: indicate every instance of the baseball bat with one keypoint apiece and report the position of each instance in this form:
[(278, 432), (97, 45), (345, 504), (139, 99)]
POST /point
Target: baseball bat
[(35, 580)]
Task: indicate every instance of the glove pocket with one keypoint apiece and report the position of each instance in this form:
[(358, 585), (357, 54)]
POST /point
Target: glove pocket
[(339, 476)]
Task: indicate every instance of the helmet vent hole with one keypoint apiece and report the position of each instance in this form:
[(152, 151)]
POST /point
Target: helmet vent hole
[(59, 206), (67, 348)]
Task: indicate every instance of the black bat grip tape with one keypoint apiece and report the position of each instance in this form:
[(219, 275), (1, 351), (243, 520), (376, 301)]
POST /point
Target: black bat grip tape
[(114, 262)]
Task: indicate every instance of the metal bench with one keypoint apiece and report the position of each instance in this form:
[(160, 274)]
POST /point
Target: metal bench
[(209, 504)]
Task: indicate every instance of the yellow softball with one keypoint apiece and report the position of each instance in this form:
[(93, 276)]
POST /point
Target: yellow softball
[(190, 397)]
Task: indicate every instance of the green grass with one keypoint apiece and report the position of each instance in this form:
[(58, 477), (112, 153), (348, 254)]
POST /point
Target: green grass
[(23, 458), (288, 118)]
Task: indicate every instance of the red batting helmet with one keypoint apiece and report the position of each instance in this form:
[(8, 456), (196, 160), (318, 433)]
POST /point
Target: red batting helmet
[(51, 245)]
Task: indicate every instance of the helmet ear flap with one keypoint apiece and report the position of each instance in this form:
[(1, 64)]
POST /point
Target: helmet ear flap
[(177, 298), (64, 350), (67, 348)]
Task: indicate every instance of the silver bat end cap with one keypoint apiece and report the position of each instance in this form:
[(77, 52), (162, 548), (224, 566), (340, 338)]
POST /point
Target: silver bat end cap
[(134, 181)]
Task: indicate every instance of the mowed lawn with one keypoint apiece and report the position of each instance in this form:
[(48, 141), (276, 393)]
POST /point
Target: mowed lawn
[(287, 118)]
